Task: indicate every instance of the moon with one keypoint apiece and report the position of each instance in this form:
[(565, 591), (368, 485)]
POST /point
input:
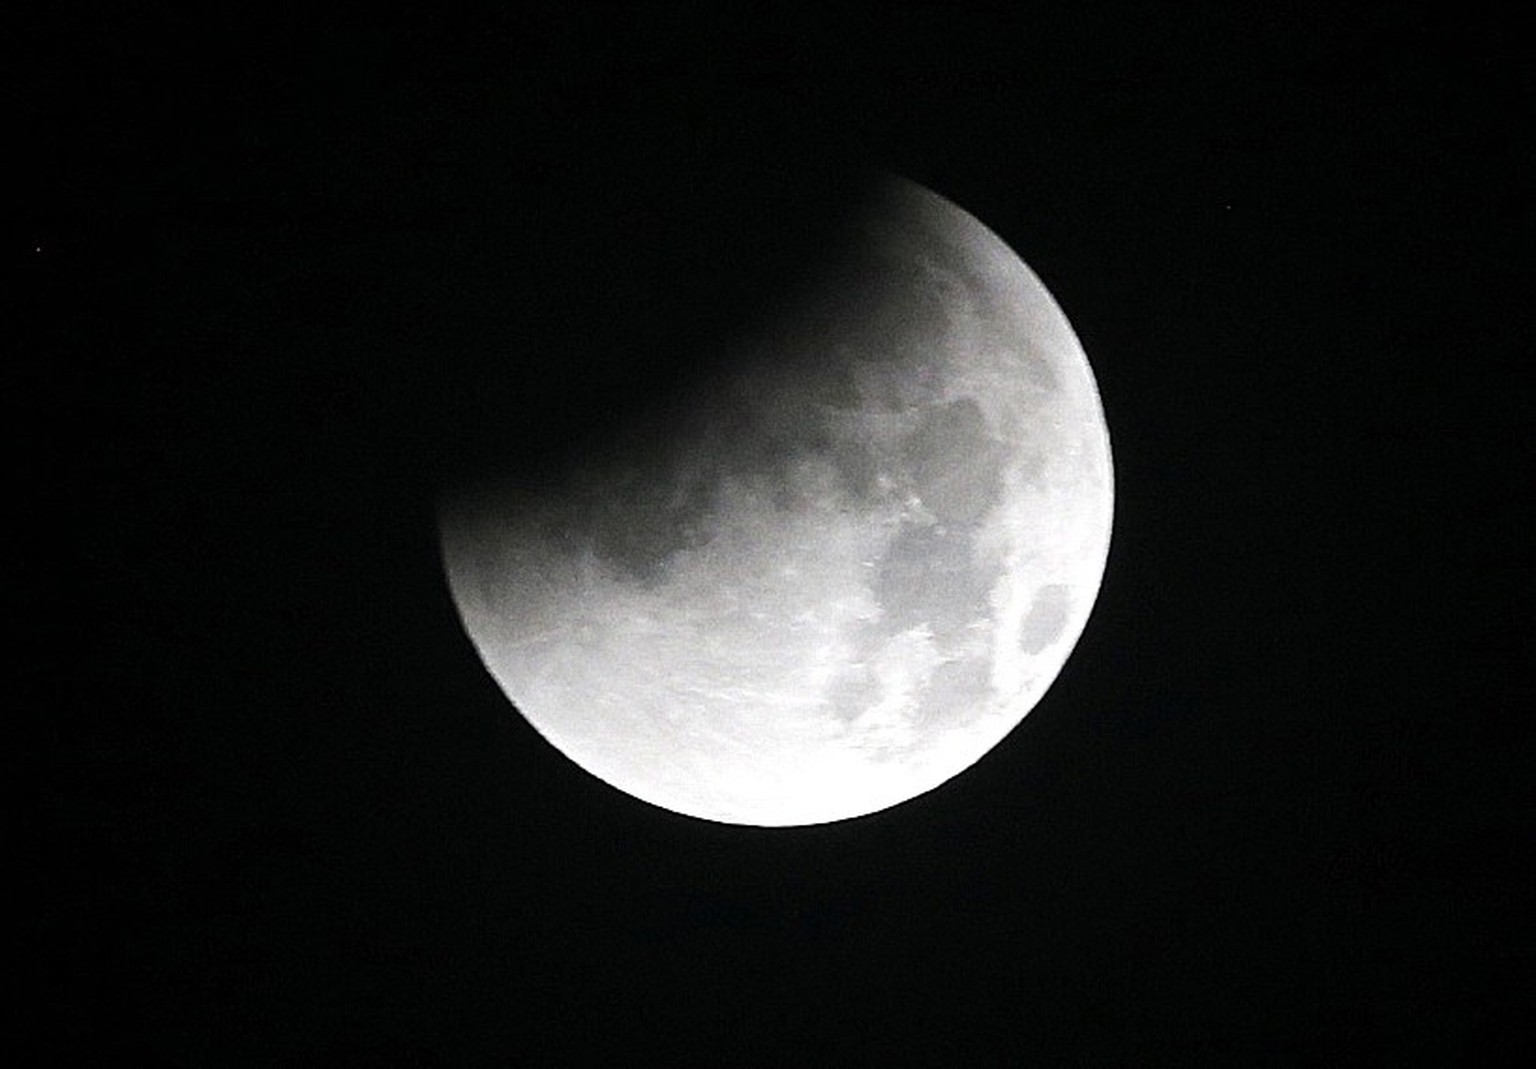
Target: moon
[(829, 576)]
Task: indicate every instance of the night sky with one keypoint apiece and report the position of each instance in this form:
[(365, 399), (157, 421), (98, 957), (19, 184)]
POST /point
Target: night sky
[(283, 278)]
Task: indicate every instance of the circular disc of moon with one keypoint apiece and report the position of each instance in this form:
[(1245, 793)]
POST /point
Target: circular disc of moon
[(830, 577)]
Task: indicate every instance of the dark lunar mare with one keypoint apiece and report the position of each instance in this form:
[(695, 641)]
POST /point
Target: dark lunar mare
[(956, 464), (1047, 616)]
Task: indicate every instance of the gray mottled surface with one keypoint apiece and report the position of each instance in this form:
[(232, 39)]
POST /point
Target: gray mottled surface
[(834, 576)]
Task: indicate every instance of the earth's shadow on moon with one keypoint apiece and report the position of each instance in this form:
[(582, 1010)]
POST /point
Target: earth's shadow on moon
[(634, 300)]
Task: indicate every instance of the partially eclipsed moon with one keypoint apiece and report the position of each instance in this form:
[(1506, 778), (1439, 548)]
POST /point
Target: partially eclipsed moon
[(836, 574)]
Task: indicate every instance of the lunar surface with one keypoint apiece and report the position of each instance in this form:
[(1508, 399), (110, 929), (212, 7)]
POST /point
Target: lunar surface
[(833, 575)]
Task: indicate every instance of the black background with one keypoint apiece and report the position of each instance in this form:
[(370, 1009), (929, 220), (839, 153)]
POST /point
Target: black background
[(285, 276)]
